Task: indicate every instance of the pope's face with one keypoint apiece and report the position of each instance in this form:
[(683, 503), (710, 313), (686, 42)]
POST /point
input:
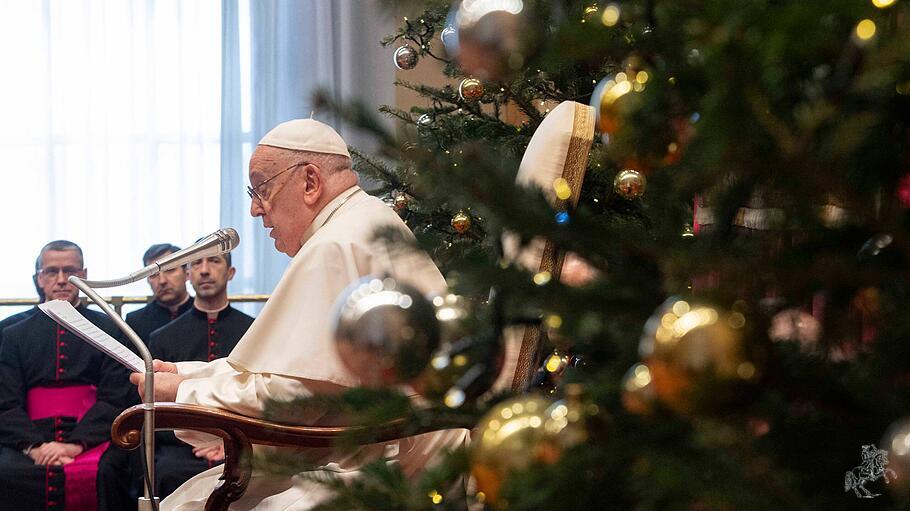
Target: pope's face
[(278, 198)]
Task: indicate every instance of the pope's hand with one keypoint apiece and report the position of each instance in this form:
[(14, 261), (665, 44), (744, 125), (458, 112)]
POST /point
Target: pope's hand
[(214, 453), (160, 366), (166, 384)]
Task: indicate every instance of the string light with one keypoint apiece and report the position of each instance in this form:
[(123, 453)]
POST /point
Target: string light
[(562, 189), (865, 30), (610, 16), (542, 278)]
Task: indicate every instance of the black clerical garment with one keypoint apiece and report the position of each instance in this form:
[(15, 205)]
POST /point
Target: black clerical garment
[(120, 472), (12, 320), (192, 336), (39, 354), (154, 316)]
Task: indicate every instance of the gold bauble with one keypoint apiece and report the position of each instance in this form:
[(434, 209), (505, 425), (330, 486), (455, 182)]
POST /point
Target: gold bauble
[(470, 89), (896, 462), (590, 13), (632, 65), (510, 438), (461, 222), (696, 355), (630, 184), (616, 98), (637, 392), (565, 425)]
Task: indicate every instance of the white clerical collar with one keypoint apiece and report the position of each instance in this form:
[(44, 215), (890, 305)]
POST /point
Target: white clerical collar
[(328, 211)]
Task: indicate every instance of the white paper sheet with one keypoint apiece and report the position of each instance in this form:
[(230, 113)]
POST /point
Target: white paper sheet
[(64, 313)]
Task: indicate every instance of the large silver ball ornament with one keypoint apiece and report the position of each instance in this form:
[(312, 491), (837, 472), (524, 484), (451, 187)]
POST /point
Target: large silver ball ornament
[(406, 58), (493, 39), (385, 331)]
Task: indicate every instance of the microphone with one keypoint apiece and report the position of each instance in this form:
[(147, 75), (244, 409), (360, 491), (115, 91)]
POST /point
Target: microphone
[(217, 243)]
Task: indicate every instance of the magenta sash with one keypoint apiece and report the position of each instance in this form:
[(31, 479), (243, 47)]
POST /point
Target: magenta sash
[(80, 475), (44, 402)]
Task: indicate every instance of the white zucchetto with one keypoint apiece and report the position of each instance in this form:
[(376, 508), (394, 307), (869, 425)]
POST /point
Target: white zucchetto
[(306, 135)]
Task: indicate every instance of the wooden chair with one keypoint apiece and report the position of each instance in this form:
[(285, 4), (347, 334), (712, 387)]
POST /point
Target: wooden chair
[(559, 148)]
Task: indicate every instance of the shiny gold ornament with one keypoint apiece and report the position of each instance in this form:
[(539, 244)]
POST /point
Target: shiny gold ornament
[(696, 355), (617, 97), (637, 392), (385, 331), (565, 425), (406, 57), (590, 13), (470, 89), (896, 444), (461, 222), (634, 64), (630, 184), (511, 437)]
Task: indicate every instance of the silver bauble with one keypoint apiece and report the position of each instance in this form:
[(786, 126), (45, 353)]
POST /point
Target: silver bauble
[(385, 331), (494, 38), (406, 58), (425, 121)]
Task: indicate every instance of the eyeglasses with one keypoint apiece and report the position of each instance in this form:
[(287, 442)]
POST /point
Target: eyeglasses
[(52, 271), (253, 191)]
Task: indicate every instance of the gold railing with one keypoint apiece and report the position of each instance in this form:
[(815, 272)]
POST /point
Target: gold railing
[(117, 302)]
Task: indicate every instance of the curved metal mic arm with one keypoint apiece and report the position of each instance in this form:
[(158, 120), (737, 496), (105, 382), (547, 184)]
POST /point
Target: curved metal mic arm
[(136, 276), (219, 242), (148, 399)]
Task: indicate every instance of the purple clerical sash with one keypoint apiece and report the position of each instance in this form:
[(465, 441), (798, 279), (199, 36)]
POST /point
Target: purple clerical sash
[(80, 475)]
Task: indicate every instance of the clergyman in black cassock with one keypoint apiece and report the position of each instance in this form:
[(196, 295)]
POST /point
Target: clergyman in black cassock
[(15, 318), (192, 336), (120, 473), (41, 361), (170, 298), (153, 316)]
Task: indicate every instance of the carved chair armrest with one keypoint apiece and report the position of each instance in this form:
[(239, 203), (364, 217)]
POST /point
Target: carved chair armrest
[(239, 432)]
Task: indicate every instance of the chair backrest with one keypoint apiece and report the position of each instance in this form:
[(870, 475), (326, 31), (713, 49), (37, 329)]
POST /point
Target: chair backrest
[(559, 149)]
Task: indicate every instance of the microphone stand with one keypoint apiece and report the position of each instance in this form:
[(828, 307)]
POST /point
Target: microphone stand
[(149, 502), (219, 242)]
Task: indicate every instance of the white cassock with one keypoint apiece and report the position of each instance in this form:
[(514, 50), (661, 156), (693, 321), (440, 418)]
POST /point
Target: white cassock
[(289, 351)]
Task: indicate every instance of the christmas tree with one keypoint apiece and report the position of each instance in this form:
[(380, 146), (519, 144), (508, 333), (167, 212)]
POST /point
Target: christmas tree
[(736, 337)]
